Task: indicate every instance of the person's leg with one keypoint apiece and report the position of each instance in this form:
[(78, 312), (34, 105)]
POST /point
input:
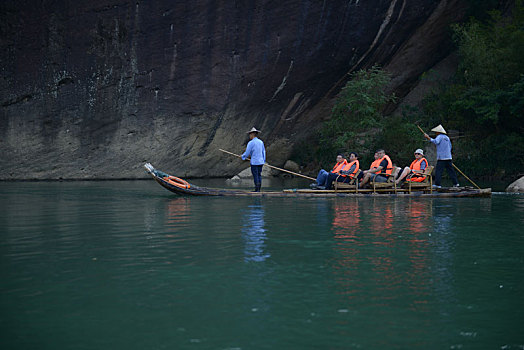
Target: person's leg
[(255, 175), (451, 172), (344, 179), (259, 172), (371, 178), (380, 178), (321, 177), (256, 171), (438, 172), (329, 180), (404, 173), (365, 179), (396, 171)]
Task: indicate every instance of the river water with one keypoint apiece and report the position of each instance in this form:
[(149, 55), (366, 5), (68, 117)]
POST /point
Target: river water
[(129, 265)]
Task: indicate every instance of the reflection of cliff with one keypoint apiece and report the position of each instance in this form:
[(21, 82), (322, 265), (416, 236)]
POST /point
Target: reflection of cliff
[(94, 89)]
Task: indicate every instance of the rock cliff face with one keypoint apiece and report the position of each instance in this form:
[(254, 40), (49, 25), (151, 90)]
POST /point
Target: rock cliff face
[(94, 89)]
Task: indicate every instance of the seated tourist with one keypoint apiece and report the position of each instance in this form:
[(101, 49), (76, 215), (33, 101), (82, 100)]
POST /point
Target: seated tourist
[(416, 168), (381, 165), (323, 174), (346, 174)]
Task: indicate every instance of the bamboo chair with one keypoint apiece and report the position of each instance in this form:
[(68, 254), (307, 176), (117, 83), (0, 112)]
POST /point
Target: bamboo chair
[(351, 185), (426, 185), (390, 184)]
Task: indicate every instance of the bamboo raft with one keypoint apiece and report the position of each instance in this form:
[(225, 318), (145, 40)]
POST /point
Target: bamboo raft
[(182, 187)]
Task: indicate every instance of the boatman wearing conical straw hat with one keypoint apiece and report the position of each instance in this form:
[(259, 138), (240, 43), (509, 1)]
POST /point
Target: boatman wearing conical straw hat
[(257, 152), (444, 159)]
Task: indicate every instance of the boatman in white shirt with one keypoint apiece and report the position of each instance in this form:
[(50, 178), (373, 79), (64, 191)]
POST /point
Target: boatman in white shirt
[(256, 151), (444, 159)]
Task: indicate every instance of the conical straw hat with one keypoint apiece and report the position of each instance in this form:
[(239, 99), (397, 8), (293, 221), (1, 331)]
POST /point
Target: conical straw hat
[(439, 129)]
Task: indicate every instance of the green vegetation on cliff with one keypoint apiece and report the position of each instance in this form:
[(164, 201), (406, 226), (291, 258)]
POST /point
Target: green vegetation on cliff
[(484, 102), (486, 99), (358, 109), (358, 125)]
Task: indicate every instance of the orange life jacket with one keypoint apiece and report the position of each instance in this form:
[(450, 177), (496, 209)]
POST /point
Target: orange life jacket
[(377, 162), (415, 165), (336, 169), (348, 166)]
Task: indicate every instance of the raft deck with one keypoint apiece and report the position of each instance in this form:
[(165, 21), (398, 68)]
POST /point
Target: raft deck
[(185, 188)]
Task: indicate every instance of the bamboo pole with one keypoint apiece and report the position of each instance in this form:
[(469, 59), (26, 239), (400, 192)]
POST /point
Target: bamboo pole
[(474, 184), (465, 175), (271, 166)]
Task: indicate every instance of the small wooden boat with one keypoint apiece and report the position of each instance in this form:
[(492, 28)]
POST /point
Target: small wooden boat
[(182, 187)]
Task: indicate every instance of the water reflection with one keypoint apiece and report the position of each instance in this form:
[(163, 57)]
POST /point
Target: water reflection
[(381, 218), (418, 215), (254, 233), (422, 273), (346, 219), (178, 213), (385, 241), (346, 228)]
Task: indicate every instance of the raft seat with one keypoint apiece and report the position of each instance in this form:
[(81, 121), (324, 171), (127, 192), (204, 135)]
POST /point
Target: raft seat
[(389, 184), (426, 185), (351, 185)]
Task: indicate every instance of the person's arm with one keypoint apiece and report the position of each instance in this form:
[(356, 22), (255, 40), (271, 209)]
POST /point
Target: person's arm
[(422, 168), (383, 165), (373, 170), (249, 150), (436, 140), (351, 170)]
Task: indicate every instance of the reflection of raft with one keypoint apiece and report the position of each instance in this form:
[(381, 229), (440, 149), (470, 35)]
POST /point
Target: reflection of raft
[(182, 187)]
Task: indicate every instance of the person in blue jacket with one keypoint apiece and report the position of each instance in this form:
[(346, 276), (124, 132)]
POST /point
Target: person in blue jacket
[(256, 151), (444, 159)]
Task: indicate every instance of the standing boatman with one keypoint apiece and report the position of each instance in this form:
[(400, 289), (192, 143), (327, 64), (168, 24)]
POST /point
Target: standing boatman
[(257, 152), (444, 159)]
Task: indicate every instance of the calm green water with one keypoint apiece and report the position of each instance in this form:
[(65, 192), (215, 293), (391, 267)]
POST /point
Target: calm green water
[(128, 265)]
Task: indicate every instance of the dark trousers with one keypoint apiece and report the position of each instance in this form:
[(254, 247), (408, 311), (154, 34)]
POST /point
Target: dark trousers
[(256, 170), (441, 164), (334, 177)]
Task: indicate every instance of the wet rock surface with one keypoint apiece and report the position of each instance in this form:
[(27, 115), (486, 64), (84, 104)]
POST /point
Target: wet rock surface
[(516, 186), (95, 89)]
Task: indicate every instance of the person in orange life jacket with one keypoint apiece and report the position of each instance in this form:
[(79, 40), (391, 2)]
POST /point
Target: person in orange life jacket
[(346, 174), (256, 151), (381, 165), (323, 174), (417, 167)]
